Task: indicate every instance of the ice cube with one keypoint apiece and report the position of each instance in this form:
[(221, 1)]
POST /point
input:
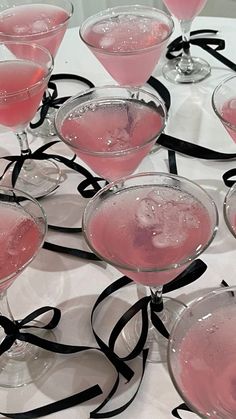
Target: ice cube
[(40, 25), (106, 42), (146, 213), (167, 238)]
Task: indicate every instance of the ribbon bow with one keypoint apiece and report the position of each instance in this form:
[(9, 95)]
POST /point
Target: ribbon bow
[(205, 43), (40, 154), (13, 332), (51, 100)]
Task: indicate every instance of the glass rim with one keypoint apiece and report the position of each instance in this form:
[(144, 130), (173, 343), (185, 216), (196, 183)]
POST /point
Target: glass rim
[(38, 83), (131, 268), (215, 91), (42, 34), (231, 191), (35, 201), (124, 8), (187, 309), (105, 88)]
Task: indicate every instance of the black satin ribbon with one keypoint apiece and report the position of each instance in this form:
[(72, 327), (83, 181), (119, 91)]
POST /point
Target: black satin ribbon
[(227, 177), (50, 97), (211, 45), (83, 254), (193, 150)]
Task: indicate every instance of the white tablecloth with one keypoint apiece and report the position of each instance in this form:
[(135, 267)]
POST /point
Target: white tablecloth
[(73, 285)]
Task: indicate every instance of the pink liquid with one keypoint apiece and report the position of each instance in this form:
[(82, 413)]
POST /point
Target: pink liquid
[(20, 238), (43, 24), (149, 228), (18, 109), (229, 114), (128, 46), (208, 364), (185, 9), (105, 135)]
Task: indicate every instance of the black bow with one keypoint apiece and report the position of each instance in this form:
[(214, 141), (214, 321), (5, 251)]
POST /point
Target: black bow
[(39, 154), (50, 97), (211, 45), (13, 332)]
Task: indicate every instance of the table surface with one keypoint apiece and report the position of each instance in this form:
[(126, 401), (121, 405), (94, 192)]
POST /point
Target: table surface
[(73, 285)]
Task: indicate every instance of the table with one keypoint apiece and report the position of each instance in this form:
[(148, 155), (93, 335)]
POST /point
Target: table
[(73, 285)]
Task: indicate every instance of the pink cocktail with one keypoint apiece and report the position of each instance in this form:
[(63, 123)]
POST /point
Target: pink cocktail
[(224, 104), (23, 228), (128, 41), (150, 227), (25, 69), (185, 9), (111, 128), (185, 68), (15, 114), (42, 23), (202, 355)]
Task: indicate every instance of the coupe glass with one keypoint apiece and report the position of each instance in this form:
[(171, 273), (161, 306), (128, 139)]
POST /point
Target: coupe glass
[(150, 226), (230, 209), (23, 228), (201, 355), (24, 73), (224, 104), (43, 23), (128, 41), (111, 128), (186, 69)]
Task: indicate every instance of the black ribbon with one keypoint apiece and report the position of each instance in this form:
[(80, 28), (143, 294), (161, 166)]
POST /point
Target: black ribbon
[(50, 97), (193, 150), (39, 154), (227, 177), (211, 45)]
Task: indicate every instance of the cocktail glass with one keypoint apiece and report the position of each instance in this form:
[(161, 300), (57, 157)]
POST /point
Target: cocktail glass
[(150, 226), (24, 73), (111, 128), (128, 41), (42, 23), (186, 69), (230, 209), (201, 354), (23, 228), (224, 104)]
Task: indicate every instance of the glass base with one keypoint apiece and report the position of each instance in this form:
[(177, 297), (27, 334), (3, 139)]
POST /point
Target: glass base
[(201, 70), (47, 129), (37, 178), (25, 363), (156, 343)]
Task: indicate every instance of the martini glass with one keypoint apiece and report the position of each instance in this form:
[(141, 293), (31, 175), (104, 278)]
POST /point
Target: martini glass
[(23, 228), (24, 73), (128, 41), (201, 355), (42, 23), (111, 128), (230, 209), (224, 104), (150, 226), (186, 69)]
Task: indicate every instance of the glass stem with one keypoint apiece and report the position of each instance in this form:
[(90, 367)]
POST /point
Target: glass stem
[(156, 298), (4, 306), (185, 64), (24, 148)]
